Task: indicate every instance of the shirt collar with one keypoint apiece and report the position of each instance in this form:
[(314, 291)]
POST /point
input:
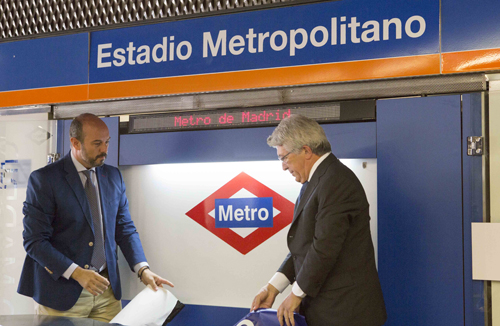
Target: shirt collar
[(79, 166), (316, 164)]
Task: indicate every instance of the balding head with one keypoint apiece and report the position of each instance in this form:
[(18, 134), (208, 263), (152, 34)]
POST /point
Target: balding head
[(76, 129), (89, 140)]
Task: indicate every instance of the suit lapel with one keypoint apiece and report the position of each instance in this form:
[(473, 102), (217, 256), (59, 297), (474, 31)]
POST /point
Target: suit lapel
[(73, 179), (320, 171), (305, 197)]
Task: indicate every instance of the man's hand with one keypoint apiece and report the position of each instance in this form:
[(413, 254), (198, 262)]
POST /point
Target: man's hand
[(150, 278), (287, 308), (90, 281), (265, 297)]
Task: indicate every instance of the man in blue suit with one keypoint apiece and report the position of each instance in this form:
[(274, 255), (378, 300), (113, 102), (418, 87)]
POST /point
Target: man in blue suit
[(75, 214)]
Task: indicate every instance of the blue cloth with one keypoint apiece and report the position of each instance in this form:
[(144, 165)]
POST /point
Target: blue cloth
[(302, 190), (59, 231), (267, 317)]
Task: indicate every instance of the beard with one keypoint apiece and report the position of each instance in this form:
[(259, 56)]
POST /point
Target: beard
[(93, 161)]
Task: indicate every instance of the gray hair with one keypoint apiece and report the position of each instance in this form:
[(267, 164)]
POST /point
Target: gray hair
[(296, 131)]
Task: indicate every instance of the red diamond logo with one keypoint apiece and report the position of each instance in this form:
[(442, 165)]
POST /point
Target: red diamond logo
[(283, 208)]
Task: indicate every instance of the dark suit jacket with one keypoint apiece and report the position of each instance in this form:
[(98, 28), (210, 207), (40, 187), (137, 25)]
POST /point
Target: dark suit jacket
[(58, 230), (331, 251)]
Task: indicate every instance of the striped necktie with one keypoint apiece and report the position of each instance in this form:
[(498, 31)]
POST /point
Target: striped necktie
[(98, 256)]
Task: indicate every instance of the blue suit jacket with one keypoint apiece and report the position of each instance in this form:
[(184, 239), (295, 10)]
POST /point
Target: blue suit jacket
[(58, 230)]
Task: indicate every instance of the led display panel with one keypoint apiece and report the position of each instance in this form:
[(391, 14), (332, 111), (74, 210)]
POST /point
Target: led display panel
[(251, 117)]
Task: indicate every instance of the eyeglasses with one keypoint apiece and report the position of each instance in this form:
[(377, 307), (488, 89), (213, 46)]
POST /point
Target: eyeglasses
[(283, 158)]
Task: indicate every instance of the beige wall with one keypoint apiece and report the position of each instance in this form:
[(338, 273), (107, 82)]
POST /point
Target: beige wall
[(494, 123)]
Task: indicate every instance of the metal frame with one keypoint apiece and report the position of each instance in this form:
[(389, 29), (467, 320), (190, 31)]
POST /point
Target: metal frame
[(26, 110), (372, 89), (31, 18)]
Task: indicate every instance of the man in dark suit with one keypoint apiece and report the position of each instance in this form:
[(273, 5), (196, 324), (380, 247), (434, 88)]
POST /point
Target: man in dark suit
[(75, 214), (331, 261)]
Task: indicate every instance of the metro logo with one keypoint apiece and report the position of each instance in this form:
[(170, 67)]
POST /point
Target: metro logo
[(216, 206), (244, 212)]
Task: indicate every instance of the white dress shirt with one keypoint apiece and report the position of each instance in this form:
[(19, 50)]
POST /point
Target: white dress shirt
[(79, 167), (279, 280)]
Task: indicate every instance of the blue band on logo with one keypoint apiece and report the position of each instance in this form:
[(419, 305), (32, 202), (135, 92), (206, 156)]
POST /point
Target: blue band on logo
[(244, 213)]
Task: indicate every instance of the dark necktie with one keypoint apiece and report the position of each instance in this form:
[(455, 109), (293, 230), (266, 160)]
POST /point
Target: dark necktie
[(302, 190), (98, 256)]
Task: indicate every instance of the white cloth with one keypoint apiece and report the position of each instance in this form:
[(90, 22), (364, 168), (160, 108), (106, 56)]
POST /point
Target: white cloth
[(147, 308), (316, 164)]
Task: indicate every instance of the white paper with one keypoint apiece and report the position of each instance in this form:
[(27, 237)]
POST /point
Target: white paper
[(147, 308)]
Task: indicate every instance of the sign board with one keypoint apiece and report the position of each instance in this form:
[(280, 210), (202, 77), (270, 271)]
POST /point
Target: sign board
[(324, 42), (258, 48), (173, 208)]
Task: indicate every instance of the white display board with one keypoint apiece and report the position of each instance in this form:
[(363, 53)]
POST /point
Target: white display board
[(205, 269), (25, 141)]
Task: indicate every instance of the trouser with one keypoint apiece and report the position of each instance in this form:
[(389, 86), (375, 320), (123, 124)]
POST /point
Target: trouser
[(103, 307)]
